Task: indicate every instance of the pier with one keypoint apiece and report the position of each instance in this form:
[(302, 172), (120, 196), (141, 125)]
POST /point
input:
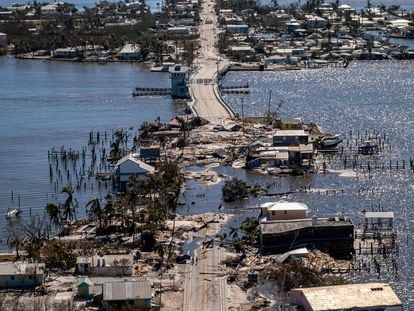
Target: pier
[(151, 91)]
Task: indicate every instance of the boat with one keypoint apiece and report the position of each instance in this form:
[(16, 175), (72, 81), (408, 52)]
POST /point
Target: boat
[(331, 141), (13, 213)]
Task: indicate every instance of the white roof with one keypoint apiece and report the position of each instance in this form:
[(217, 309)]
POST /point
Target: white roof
[(130, 48), (352, 296), (379, 214), (140, 163), (291, 133), (283, 206), (21, 268)]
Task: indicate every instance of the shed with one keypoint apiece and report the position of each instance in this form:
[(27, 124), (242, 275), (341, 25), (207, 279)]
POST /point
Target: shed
[(378, 220), (83, 288), (369, 296)]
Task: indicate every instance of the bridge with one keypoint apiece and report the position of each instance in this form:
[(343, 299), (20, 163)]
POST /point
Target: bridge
[(206, 101)]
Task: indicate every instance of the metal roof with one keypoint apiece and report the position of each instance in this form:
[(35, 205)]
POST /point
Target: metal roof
[(284, 206), (21, 268), (379, 214), (282, 226), (291, 133), (126, 290), (351, 296)]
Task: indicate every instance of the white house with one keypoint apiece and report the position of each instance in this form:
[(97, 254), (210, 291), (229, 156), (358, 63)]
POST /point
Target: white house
[(130, 51), (107, 265), (283, 210), (130, 166)]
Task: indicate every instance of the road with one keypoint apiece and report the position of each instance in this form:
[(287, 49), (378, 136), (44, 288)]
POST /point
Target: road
[(203, 85), (205, 282)]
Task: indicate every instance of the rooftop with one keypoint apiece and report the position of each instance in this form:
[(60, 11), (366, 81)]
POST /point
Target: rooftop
[(285, 206), (140, 163), (110, 260), (126, 290), (281, 226), (341, 297), (290, 133), (378, 215), (21, 268)]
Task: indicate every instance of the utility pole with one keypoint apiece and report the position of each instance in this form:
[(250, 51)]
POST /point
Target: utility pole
[(268, 106), (242, 108)]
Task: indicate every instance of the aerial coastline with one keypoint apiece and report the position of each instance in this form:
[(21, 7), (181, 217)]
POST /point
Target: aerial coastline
[(186, 209)]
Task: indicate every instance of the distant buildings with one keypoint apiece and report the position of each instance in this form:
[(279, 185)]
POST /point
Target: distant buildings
[(3, 39), (130, 52), (367, 297), (66, 53), (21, 275)]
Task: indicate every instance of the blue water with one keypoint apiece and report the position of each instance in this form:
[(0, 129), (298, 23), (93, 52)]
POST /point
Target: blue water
[(363, 97), (48, 104), (356, 4), (154, 5)]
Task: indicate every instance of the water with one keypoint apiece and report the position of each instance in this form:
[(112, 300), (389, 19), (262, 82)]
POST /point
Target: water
[(356, 4), (364, 96), (48, 104), (403, 42), (154, 5)]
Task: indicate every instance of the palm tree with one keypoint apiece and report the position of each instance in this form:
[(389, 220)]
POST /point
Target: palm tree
[(69, 211), (53, 212), (109, 208), (95, 210)]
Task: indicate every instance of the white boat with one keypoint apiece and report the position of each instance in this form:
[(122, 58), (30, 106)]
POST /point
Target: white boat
[(13, 213), (331, 141)]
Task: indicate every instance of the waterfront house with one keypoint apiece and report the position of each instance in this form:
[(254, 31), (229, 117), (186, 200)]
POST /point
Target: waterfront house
[(369, 296), (378, 221), (130, 52), (66, 53), (240, 51), (106, 265), (130, 166), (21, 274), (290, 137), (283, 210), (334, 236), (179, 81), (133, 294)]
